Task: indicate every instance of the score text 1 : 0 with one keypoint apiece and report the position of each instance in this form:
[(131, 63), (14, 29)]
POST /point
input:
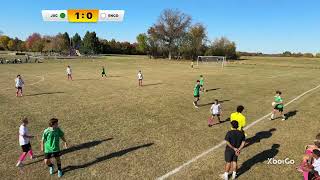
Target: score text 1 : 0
[(83, 15)]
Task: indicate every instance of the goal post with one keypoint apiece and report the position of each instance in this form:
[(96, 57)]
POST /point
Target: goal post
[(212, 60)]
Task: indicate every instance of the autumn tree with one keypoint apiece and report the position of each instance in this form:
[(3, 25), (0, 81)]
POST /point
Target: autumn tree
[(170, 28)]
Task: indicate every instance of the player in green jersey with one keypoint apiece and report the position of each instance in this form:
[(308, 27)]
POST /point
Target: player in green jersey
[(196, 94), (103, 73), (278, 106), (51, 145)]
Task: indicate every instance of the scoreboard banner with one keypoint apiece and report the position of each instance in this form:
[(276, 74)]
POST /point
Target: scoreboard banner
[(83, 15)]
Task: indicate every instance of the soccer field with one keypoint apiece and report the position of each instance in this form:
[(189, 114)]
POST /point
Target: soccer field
[(117, 130)]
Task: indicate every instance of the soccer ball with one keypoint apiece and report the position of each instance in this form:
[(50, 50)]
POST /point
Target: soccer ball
[(273, 104)]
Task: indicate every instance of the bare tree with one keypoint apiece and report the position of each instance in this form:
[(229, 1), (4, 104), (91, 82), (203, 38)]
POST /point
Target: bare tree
[(170, 28)]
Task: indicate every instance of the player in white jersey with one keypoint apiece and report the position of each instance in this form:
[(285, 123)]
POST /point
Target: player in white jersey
[(140, 78), (19, 83), (69, 73), (24, 141), (215, 112)]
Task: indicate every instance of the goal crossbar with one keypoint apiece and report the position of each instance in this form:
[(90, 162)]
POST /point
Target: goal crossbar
[(216, 58)]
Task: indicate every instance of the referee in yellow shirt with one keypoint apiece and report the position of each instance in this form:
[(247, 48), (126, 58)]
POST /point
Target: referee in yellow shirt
[(239, 117)]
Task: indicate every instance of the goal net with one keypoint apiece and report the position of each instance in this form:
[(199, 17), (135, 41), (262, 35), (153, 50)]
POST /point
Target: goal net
[(211, 60)]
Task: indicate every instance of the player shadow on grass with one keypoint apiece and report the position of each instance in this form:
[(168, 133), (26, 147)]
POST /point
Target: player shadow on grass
[(208, 104), (106, 157), (291, 114), (152, 84), (259, 136), (214, 89), (71, 149), (45, 93), (258, 158)]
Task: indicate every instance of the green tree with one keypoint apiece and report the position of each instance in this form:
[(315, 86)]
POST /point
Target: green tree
[(223, 47), (76, 41), (194, 42), (90, 43), (4, 40), (142, 46), (287, 54)]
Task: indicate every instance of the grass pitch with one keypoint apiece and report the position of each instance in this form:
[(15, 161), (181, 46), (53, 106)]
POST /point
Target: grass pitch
[(117, 130)]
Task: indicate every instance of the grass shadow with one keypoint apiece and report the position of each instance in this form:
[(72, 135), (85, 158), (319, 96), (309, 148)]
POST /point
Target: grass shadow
[(85, 79), (153, 84), (208, 90), (259, 136), (71, 149), (106, 157), (291, 114), (47, 93), (207, 104), (258, 158)]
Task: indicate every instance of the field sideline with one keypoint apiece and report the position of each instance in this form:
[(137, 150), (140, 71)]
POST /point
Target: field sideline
[(120, 131)]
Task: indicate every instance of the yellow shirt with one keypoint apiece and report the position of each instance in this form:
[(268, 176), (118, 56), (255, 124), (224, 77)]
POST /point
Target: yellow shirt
[(240, 118)]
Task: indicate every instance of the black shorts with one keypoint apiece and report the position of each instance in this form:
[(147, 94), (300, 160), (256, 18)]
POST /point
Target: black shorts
[(218, 115), (278, 108), (53, 154), (201, 85), (196, 96), (26, 147), (103, 73), (18, 87), (230, 156)]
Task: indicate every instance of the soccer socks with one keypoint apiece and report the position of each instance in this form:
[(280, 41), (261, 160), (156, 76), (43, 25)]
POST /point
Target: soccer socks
[(22, 157), (234, 174), (59, 167), (272, 116), (225, 175), (31, 154)]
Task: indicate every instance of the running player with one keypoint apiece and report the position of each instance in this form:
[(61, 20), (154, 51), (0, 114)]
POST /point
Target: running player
[(103, 73), (24, 141), (69, 73), (140, 78), (278, 106), (215, 112), (51, 145), (196, 94), (19, 85)]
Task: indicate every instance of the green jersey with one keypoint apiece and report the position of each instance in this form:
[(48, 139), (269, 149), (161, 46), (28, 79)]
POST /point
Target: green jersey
[(278, 99), (196, 90), (51, 138), (201, 81)]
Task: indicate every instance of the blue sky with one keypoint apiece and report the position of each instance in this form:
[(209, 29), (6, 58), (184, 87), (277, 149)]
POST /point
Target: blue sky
[(269, 26)]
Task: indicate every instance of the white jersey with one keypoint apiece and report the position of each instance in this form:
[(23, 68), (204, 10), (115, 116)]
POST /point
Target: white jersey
[(23, 130), (140, 76), (215, 109), (69, 71), (19, 82), (316, 165)]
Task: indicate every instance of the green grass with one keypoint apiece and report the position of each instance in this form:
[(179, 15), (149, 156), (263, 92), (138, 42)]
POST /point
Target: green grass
[(142, 133)]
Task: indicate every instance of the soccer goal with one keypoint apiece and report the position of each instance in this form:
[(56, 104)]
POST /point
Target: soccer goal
[(212, 60)]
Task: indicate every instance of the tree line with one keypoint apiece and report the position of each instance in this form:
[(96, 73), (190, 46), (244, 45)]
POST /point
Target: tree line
[(63, 44), (284, 54)]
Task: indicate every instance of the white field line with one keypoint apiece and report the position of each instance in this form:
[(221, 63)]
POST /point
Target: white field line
[(174, 171), (42, 79)]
